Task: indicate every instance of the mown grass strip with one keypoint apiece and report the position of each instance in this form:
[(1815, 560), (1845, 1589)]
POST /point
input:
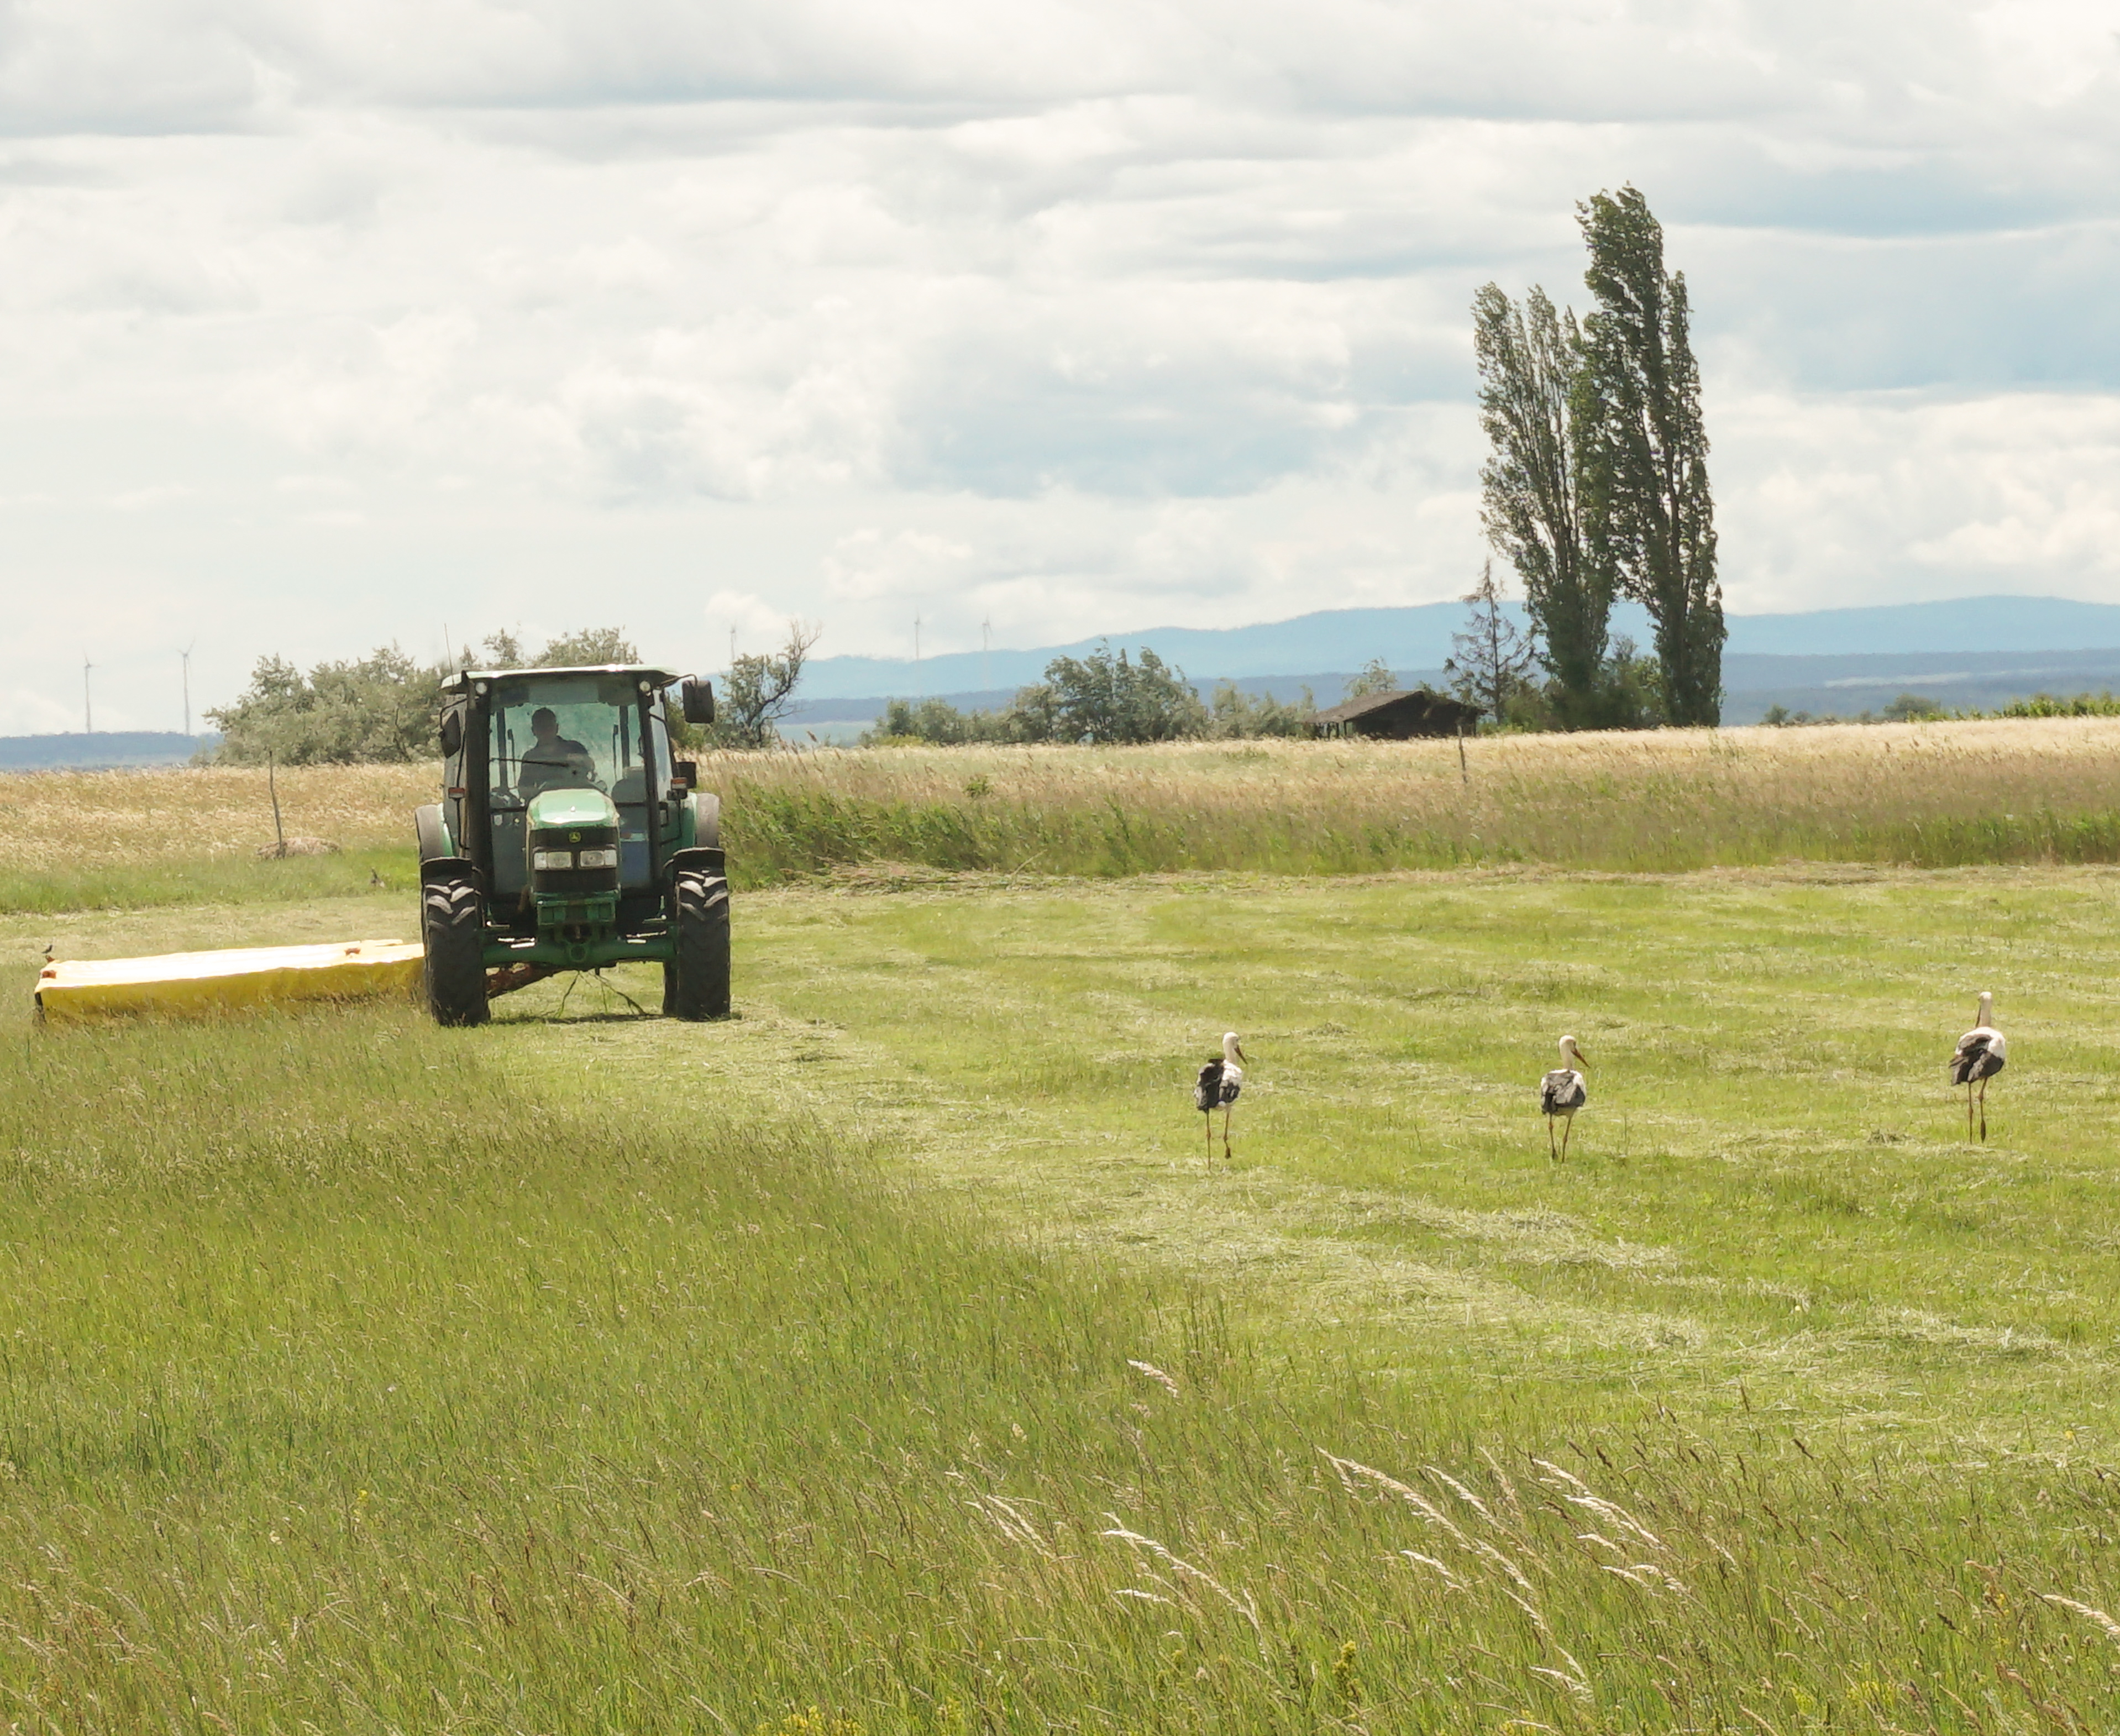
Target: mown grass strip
[(349, 1381)]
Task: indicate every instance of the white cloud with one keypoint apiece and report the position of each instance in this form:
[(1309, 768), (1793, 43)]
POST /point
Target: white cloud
[(155, 494), (1896, 497), (1072, 314), (907, 565), (746, 623)]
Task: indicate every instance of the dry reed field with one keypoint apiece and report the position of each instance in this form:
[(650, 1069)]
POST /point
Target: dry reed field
[(135, 839), (1925, 794), (68, 821)]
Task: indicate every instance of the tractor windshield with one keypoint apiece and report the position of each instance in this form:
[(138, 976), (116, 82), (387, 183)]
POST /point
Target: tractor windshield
[(576, 731)]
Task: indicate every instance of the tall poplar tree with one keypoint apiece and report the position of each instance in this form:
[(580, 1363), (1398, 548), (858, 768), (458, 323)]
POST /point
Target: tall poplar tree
[(1532, 404), (1649, 519)]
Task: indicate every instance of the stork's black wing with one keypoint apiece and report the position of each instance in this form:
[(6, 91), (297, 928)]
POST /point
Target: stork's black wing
[(1208, 1090), (1977, 1058), (1562, 1091)]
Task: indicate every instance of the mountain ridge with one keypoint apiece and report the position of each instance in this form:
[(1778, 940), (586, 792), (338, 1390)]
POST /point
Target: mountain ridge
[(1417, 636)]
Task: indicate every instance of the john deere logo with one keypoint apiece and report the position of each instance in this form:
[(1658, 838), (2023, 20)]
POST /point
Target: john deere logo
[(574, 837)]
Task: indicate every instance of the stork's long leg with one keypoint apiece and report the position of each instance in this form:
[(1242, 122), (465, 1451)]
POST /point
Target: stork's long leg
[(1552, 1151), (1983, 1110), (1208, 1121), (1969, 1109), (1567, 1127), (1228, 1110)]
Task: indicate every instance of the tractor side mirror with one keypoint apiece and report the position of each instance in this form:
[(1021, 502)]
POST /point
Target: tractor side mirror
[(452, 733), (698, 696), (684, 776)]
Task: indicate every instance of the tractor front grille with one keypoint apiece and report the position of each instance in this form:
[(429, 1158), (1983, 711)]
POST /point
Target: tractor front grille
[(579, 862)]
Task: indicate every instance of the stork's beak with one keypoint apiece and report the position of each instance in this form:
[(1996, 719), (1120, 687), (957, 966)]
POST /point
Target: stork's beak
[(1240, 1051), (1582, 1058)]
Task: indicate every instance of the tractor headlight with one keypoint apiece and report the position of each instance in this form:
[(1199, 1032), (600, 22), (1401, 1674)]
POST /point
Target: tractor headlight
[(604, 858), (541, 860)]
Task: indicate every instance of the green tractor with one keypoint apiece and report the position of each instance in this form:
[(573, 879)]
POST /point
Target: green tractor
[(569, 839)]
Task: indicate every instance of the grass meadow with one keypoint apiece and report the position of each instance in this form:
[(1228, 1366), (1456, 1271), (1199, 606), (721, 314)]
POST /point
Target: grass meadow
[(896, 1357)]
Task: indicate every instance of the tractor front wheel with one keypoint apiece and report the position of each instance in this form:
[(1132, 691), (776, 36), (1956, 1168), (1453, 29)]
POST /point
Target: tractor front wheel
[(697, 986), (453, 929)]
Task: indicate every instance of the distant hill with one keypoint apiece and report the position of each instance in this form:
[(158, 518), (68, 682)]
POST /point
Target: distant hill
[(1971, 624), (1959, 681), (1418, 637), (106, 748)]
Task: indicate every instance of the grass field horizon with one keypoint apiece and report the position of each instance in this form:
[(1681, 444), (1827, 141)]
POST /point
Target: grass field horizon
[(1936, 794), (894, 1357)]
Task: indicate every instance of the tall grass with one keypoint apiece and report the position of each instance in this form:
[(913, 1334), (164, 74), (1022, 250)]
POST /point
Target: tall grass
[(1931, 795), (348, 1382), (1934, 794)]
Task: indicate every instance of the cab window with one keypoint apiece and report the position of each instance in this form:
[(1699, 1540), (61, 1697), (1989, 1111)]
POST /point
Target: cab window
[(570, 734)]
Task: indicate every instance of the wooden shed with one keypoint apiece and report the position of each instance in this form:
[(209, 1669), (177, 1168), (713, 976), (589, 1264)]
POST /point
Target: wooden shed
[(1397, 717)]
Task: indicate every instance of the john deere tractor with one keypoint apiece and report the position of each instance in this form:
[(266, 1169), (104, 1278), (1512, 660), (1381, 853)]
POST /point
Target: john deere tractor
[(569, 839)]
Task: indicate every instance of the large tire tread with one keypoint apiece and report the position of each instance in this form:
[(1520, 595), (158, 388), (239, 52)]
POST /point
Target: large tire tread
[(453, 930), (697, 988)]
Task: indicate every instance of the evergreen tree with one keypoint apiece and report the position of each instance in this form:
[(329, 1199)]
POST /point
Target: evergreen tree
[(1490, 662), (1649, 517), (1534, 402)]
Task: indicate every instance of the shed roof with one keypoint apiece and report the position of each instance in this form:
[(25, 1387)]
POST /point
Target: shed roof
[(1349, 710)]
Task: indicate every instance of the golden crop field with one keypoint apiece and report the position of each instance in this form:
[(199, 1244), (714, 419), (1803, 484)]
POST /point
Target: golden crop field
[(72, 820)]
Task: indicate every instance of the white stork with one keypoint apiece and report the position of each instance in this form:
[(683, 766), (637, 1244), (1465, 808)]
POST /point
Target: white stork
[(1979, 1056), (1217, 1088), (1562, 1092)]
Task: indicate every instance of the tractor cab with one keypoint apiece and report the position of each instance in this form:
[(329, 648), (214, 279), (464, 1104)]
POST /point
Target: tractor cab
[(573, 836), (575, 743)]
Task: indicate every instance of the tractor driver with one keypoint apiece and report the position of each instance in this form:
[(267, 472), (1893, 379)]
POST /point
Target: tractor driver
[(552, 760)]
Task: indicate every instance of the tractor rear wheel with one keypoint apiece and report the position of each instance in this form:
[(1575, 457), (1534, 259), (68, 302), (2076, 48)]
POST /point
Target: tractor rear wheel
[(697, 986), (452, 928)]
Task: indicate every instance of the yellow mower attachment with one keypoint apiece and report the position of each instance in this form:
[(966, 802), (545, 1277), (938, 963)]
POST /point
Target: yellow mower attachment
[(243, 976)]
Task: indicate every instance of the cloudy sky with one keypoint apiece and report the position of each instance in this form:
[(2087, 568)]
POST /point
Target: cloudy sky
[(326, 325)]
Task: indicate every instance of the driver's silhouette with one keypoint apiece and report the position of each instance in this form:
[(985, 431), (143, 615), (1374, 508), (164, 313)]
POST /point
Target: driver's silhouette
[(552, 760)]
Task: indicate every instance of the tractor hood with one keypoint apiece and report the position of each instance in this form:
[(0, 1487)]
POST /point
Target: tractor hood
[(572, 844), (552, 808)]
